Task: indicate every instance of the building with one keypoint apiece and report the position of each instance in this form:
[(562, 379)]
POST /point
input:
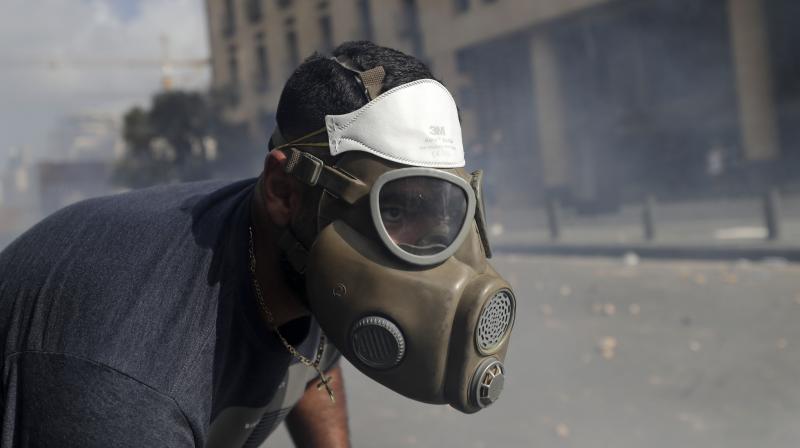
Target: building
[(19, 199), (592, 101), (82, 149), (62, 183), (87, 136), (256, 44)]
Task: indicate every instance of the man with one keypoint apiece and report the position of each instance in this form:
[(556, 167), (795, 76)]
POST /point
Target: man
[(193, 314)]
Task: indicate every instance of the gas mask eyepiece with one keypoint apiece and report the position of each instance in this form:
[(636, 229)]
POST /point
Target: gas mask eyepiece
[(421, 213)]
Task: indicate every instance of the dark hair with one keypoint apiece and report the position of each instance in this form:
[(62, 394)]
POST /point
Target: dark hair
[(320, 86)]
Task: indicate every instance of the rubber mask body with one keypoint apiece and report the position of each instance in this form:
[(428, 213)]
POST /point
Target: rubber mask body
[(436, 310)]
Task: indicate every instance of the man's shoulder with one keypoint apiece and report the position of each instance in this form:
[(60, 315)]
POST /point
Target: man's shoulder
[(141, 216), (125, 280), (149, 205)]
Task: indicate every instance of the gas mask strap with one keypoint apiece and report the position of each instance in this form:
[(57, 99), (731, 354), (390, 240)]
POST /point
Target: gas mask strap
[(279, 142), (296, 253), (371, 80), (312, 171), (476, 182)]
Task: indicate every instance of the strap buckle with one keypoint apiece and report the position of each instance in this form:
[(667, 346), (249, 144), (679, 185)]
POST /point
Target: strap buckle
[(304, 166)]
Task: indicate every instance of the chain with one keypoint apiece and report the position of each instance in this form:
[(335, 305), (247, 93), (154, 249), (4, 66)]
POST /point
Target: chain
[(270, 318)]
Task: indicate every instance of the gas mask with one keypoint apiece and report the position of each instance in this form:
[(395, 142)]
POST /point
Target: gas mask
[(398, 276)]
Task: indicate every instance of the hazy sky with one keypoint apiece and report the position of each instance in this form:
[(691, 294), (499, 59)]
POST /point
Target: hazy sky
[(34, 94)]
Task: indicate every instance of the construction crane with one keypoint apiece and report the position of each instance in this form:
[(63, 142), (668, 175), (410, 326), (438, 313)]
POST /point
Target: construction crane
[(165, 63)]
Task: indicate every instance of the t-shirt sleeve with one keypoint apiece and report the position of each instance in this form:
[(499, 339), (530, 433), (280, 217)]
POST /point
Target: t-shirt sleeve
[(58, 400), (331, 360)]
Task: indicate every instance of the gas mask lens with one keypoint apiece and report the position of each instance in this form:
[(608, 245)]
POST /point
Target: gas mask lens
[(421, 213)]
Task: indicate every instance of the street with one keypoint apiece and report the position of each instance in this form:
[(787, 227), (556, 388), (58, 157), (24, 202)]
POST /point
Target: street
[(622, 353)]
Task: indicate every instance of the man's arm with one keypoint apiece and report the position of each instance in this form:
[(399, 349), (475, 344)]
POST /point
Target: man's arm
[(315, 422)]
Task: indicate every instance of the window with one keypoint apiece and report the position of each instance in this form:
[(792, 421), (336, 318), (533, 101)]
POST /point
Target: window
[(461, 5), (411, 29), (233, 76), (233, 65), (254, 10), (262, 64), (365, 14), (229, 18), (327, 33), (292, 49)]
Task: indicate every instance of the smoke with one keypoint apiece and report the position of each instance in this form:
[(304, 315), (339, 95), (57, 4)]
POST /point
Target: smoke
[(60, 57)]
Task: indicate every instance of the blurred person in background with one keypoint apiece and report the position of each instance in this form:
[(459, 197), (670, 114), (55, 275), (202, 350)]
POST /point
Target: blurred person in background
[(200, 314)]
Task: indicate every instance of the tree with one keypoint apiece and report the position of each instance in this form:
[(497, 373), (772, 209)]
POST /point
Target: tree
[(181, 138)]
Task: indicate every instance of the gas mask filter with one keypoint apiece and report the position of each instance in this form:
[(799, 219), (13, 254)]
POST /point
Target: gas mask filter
[(398, 276)]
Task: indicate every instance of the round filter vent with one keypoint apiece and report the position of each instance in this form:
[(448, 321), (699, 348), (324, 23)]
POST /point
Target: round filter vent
[(377, 342), (495, 321), (487, 384)]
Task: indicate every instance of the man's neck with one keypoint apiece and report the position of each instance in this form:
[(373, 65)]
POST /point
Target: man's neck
[(279, 297)]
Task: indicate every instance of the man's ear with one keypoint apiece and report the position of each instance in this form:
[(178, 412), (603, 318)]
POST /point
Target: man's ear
[(281, 191)]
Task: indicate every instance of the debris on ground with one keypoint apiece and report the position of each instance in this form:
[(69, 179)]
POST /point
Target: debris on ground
[(630, 259), (700, 279), (608, 347), (562, 430)]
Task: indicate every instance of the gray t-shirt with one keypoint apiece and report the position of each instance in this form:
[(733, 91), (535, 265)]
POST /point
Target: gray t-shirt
[(129, 320)]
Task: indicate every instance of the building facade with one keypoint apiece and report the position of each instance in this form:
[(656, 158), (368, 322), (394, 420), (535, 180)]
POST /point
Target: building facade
[(19, 195), (256, 44), (593, 101)]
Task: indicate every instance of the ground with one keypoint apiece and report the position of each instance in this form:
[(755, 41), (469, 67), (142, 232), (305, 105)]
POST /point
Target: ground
[(622, 353)]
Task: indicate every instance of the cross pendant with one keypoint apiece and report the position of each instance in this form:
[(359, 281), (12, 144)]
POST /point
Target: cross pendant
[(326, 381)]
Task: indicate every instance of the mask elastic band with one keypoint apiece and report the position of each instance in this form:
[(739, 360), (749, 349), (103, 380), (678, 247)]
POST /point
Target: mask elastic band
[(299, 141)]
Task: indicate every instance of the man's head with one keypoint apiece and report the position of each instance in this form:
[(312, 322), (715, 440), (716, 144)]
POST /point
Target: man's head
[(322, 86), (377, 213)]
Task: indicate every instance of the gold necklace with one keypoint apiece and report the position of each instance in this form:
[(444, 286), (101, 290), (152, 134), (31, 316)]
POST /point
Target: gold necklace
[(324, 381)]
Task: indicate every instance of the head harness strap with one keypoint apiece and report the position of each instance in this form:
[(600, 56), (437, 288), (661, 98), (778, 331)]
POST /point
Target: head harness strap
[(296, 253), (371, 80), (312, 171)]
